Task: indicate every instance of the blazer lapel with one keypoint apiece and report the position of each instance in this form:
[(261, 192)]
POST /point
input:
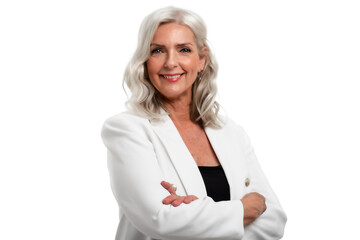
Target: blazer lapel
[(180, 156), (227, 153)]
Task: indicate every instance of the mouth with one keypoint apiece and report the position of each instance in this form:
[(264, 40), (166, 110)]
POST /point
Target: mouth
[(172, 77)]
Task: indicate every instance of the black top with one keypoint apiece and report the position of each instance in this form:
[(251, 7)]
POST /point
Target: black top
[(217, 186)]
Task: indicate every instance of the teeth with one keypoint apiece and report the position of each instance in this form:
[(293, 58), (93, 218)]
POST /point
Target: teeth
[(172, 77)]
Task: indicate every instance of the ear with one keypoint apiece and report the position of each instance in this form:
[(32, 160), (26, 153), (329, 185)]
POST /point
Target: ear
[(203, 56)]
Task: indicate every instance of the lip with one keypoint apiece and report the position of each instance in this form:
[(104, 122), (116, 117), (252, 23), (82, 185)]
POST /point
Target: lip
[(171, 78)]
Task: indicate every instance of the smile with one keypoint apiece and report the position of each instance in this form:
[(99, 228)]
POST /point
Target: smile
[(172, 77)]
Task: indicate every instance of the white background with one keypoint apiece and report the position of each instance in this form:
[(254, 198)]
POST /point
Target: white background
[(289, 73)]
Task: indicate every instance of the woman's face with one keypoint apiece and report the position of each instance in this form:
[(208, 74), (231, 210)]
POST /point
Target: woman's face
[(174, 61)]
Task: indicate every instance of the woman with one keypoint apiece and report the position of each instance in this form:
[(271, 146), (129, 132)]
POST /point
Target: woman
[(178, 170)]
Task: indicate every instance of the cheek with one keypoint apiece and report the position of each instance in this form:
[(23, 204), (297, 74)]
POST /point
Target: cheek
[(153, 66), (191, 65)]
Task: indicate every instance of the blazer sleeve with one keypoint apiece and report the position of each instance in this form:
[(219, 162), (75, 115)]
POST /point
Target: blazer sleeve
[(135, 180), (270, 225)]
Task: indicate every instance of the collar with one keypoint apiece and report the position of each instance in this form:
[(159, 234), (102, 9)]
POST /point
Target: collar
[(183, 161)]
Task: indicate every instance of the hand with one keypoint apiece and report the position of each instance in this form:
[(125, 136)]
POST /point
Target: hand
[(174, 199), (254, 206)]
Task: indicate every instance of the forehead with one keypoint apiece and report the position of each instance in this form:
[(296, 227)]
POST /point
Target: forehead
[(173, 33)]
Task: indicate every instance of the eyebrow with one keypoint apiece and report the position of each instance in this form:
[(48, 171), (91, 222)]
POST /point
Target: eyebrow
[(178, 45)]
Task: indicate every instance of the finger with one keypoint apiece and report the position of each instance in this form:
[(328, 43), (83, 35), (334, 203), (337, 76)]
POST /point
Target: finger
[(190, 198), (265, 207), (169, 199), (168, 187), (177, 202)]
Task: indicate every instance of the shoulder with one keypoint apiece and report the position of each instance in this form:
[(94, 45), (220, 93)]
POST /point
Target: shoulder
[(230, 125), (125, 118), (232, 130), (124, 122)]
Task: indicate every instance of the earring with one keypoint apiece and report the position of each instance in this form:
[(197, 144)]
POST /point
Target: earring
[(199, 76)]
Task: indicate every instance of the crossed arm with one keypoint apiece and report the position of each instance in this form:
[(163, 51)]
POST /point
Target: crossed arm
[(254, 203), (128, 146)]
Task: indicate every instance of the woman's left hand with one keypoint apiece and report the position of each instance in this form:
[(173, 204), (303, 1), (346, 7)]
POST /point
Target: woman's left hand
[(174, 199)]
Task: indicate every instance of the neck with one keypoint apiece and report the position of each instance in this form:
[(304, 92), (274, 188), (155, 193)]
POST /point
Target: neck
[(179, 110)]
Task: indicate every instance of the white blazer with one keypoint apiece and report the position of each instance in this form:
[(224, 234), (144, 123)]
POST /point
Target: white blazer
[(142, 153)]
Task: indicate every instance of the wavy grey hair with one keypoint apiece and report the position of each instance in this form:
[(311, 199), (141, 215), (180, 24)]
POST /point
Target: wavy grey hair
[(145, 98)]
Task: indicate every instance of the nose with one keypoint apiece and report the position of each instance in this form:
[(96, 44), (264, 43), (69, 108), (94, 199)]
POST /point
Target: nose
[(171, 60)]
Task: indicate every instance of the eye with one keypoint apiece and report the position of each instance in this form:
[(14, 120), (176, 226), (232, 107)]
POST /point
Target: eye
[(156, 50), (185, 50)]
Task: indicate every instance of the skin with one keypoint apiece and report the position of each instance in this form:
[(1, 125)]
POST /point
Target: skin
[(254, 206), (174, 51), (173, 66), (173, 198)]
